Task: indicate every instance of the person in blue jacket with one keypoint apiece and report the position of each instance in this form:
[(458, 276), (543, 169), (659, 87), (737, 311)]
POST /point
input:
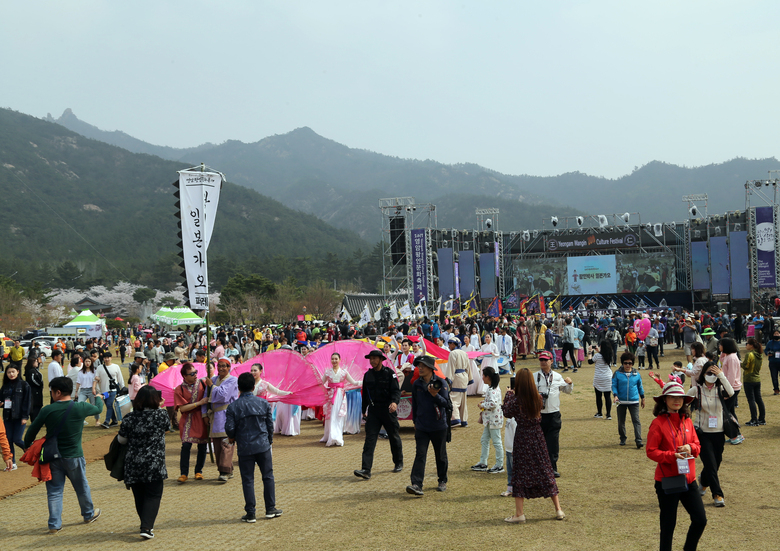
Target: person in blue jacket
[(629, 395), (429, 405), (772, 351)]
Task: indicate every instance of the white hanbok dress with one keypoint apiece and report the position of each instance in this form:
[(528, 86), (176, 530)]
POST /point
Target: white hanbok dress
[(335, 408), (492, 359), (477, 386), (287, 417)]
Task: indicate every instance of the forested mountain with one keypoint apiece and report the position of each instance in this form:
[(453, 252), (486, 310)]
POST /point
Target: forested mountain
[(76, 211), (342, 185)]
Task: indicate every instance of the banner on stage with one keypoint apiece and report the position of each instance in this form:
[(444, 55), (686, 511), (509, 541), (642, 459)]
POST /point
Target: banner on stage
[(419, 265), (587, 242), (198, 197), (765, 245)]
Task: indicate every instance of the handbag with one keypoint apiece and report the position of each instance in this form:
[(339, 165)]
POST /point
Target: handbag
[(50, 451), (730, 424), (652, 341), (674, 484)]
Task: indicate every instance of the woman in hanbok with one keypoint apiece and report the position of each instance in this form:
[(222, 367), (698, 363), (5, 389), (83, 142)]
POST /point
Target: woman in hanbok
[(335, 379), (491, 360), (523, 343), (287, 418), (477, 386)]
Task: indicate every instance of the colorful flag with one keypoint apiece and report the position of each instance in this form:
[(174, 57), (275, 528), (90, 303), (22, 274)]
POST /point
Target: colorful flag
[(494, 310)]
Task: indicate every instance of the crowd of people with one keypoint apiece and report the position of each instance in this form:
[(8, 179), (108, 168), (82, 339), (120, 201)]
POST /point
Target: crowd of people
[(223, 410)]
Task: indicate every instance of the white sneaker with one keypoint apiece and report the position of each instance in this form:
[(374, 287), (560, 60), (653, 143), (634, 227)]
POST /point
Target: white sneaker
[(13, 467)]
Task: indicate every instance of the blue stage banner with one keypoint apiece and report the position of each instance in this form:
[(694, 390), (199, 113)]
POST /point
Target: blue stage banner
[(446, 273), (487, 275), (740, 265), (467, 273), (700, 262), (719, 265), (419, 266)]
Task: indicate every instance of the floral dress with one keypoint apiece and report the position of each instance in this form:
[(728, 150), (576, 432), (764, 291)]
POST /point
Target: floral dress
[(145, 431), (532, 473)]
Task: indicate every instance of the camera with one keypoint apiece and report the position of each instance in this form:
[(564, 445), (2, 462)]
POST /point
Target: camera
[(435, 384), (544, 399)]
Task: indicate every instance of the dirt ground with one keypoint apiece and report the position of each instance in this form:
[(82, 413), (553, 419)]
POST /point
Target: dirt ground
[(606, 491)]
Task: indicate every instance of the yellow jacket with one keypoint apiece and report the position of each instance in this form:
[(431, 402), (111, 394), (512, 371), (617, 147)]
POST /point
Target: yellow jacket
[(17, 353)]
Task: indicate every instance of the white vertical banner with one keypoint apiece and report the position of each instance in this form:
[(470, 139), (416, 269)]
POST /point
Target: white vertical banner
[(199, 196)]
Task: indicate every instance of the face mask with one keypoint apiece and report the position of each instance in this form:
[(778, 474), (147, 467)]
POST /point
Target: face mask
[(776, 337), (710, 378)]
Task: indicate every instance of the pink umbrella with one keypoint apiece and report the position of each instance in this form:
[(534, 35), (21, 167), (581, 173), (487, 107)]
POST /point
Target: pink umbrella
[(169, 379), (353, 358), (288, 370)]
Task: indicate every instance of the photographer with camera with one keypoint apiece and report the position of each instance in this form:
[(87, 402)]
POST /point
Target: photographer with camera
[(430, 405), (550, 384)]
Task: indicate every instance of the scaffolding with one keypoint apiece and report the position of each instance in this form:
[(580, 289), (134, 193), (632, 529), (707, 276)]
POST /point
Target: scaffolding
[(400, 215), (762, 193)]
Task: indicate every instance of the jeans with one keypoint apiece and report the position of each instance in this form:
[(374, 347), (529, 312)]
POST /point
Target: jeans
[(378, 416), (774, 369), (14, 430), (493, 434), (75, 469), (607, 401), (711, 455), (110, 413), (652, 353), (753, 394), (438, 438), (551, 427), (85, 395), (621, 413), (691, 500), (246, 465), (147, 502), (184, 460), (508, 465)]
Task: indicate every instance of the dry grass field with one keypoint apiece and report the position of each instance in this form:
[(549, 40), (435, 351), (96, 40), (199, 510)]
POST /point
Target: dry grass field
[(606, 491)]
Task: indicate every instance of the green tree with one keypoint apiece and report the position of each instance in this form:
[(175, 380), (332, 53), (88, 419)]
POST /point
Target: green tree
[(67, 273), (169, 302), (240, 285), (142, 294)]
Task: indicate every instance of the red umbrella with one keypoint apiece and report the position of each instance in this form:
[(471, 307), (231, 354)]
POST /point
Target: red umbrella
[(118, 319)]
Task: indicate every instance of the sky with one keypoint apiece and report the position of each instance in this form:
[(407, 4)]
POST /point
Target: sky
[(521, 87)]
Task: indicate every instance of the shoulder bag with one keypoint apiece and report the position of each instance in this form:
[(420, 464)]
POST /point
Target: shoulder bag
[(113, 387), (730, 424), (50, 451)]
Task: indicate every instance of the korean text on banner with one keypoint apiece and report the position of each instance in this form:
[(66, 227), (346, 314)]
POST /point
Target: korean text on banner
[(765, 245), (199, 197), (419, 265)]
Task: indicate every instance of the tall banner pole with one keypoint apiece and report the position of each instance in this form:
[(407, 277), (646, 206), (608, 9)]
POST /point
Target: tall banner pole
[(198, 191)]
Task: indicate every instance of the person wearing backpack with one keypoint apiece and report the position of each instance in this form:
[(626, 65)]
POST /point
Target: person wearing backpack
[(430, 401), (64, 421)]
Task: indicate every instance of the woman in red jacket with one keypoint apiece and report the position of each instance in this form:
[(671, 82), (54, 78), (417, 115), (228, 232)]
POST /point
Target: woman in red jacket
[(673, 444)]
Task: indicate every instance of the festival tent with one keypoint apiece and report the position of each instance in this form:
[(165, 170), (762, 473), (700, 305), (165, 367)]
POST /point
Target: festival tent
[(177, 316), (88, 324), (84, 318)]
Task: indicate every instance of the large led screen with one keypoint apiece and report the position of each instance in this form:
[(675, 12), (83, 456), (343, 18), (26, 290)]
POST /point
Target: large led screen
[(590, 275)]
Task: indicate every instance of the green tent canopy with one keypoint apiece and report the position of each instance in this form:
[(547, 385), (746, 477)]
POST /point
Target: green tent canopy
[(177, 316), (84, 318)]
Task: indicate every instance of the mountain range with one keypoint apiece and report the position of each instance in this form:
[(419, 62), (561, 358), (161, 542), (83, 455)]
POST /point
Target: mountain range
[(78, 212), (343, 185)]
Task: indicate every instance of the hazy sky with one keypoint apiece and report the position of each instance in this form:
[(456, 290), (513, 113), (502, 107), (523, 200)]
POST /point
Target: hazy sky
[(539, 87)]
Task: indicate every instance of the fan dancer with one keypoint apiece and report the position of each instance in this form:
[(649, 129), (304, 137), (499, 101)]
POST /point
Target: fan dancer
[(458, 363), (335, 379), (477, 385)]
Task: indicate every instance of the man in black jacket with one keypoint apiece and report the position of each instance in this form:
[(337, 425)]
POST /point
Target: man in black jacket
[(429, 410), (381, 395), (248, 421)]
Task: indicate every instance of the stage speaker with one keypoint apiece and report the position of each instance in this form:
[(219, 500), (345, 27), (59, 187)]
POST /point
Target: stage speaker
[(398, 240)]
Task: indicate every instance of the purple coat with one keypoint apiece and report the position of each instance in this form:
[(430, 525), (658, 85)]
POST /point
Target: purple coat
[(221, 397)]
